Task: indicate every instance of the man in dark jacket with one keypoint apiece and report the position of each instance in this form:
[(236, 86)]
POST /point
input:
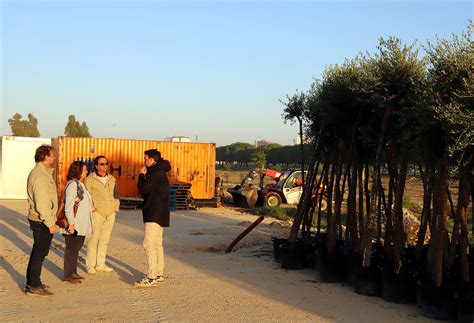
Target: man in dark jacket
[(153, 186)]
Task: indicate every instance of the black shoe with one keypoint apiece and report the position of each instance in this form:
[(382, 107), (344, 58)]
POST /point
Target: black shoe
[(44, 286), (37, 291), (72, 280)]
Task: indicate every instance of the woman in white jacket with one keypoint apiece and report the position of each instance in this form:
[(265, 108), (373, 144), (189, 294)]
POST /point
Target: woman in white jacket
[(78, 210)]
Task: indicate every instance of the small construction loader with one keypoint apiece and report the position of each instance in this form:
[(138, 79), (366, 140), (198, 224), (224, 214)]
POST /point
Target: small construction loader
[(287, 188)]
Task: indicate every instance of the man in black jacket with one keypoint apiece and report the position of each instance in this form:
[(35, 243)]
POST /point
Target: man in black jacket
[(153, 186)]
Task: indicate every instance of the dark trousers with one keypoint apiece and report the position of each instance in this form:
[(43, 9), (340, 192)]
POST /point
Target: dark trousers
[(42, 241), (73, 245)]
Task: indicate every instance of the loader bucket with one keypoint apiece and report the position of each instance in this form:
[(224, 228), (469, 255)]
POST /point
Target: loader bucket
[(245, 198)]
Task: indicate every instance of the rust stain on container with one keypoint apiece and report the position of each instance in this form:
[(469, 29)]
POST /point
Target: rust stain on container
[(193, 163)]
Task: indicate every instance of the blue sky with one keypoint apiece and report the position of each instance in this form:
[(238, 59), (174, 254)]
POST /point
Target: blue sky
[(212, 69)]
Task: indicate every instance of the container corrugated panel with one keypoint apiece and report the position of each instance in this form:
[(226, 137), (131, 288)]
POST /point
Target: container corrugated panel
[(193, 163), (17, 159)]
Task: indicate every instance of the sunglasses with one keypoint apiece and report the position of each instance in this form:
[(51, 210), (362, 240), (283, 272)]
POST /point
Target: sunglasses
[(102, 164)]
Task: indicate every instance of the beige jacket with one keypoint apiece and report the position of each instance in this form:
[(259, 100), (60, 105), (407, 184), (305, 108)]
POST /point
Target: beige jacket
[(103, 196), (42, 195)]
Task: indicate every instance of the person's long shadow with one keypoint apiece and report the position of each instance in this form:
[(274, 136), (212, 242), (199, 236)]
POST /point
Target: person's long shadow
[(17, 277), (192, 256), (126, 273), (19, 221), (129, 275)]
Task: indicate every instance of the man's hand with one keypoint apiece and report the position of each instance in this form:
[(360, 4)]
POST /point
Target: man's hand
[(54, 229), (71, 228), (143, 170)]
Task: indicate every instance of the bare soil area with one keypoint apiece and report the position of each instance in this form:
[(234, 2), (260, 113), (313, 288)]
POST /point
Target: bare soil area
[(202, 283)]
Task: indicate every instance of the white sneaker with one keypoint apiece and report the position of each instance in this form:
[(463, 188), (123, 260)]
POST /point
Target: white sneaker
[(104, 268), (147, 282), (160, 279), (91, 270)]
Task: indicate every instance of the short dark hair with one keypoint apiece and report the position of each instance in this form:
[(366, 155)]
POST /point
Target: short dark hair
[(75, 170), (153, 153), (96, 160), (41, 152)]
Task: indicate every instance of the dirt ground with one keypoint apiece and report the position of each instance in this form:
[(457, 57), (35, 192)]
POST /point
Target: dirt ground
[(413, 188), (202, 283)]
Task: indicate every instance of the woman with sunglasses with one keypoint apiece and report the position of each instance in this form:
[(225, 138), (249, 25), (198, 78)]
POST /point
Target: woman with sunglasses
[(78, 210), (105, 199)]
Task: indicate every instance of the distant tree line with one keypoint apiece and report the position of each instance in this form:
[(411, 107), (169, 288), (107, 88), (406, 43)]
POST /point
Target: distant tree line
[(242, 155), (29, 127)]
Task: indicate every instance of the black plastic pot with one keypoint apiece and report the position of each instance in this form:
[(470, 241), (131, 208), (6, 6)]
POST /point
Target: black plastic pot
[(400, 289), (293, 259), (436, 303), (276, 247), (368, 281), (332, 268), (353, 268), (465, 303), (470, 258), (319, 240), (311, 259), (465, 309)]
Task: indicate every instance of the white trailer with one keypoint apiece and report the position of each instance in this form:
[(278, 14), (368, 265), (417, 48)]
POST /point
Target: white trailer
[(17, 159)]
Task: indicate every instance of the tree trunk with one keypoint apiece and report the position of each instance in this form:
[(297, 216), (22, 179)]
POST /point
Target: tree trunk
[(300, 121), (428, 179), (456, 227), (463, 204), (472, 199), (349, 219), (371, 226), (305, 199), (392, 173), (335, 220), (367, 194), (350, 158), (361, 202), (383, 204), (399, 230), (379, 216), (451, 204), (329, 198), (437, 242), (367, 207), (309, 222), (351, 229), (323, 179)]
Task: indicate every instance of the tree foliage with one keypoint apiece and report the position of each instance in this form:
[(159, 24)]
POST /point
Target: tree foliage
[(76, 129), (24, 128), (259, 158), (451, 73), (385, 112)]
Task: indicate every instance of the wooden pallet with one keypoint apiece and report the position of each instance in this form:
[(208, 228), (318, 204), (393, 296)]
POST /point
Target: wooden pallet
[(183, 198), (131, 203), (206, 203), (182, 194)]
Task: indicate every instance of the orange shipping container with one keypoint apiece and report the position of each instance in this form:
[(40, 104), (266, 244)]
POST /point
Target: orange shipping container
[(193, 163)]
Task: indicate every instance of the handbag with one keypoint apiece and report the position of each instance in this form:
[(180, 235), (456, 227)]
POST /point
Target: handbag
[(61, 219)]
